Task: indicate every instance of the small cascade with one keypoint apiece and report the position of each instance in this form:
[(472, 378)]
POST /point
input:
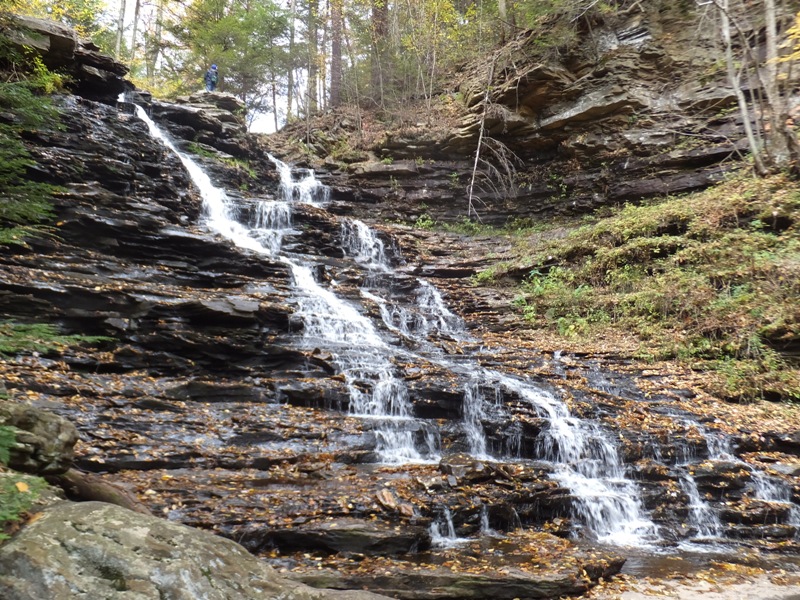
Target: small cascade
[(774, 490), (433, 315), (429, 315), (271, 222), (701, 516), (361, 242), (762, 486), (473, 414), (486, 529), (305, 189), (443, 532), (396, 318), (362, 357), (587, 463)]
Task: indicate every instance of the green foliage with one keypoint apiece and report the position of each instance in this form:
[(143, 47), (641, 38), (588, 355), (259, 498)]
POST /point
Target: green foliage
[(241, 164), (713, 277), (243, 38), (467, 226), (17, 494), (18, 338), (7, 439), (26, 203), (82, 15), (200, 150), (425, 222)]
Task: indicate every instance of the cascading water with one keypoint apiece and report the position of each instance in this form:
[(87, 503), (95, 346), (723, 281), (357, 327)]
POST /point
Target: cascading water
[(443, 532), (272, 221), (434, 315), (587, 463), (701, 516), (762, 487), (360, 242), (363, 357), (473, 414), (584, 458), (305, 189), (486, 528)]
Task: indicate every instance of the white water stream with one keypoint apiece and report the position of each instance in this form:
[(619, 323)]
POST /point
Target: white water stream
[(583, 455), (762, 486), (328, 321)]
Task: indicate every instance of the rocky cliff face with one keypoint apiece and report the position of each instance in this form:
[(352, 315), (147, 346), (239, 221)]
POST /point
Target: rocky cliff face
[(639, 108)]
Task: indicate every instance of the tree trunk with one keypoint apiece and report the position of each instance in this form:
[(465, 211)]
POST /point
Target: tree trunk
[(335, 96), (313, 57), (133, 33), (502, 11), (120, 28), (380, 33), (87, 486), (290, 70), (776, 145), (733, 77), (154, 42)]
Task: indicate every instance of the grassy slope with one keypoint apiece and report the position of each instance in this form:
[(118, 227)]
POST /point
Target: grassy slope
[(711, 278)]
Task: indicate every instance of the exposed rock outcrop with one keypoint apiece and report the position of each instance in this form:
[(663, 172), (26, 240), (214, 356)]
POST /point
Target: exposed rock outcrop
[(92, 74), (97, 550), (638, 108), (44, 442)]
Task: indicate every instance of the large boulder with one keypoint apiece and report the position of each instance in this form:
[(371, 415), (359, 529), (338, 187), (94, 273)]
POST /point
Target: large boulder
[(44, 442), (96, 550)]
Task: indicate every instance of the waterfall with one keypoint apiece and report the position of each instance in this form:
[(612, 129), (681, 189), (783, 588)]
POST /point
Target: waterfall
[(306, 189), (436, 317), (443, 532), (762, 487), (583, 456), (361, 242), (362, 356), (473, 413), (272, 221), (486, 528)]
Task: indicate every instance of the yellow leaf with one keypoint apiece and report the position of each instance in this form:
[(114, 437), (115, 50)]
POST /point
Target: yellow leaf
[(22, 486)]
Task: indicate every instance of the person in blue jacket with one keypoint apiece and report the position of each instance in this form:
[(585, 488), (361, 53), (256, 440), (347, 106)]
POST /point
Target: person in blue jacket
[(211, 78)]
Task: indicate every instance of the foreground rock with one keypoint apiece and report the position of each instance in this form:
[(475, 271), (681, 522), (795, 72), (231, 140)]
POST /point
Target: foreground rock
[(44, 442), (96, 550)]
